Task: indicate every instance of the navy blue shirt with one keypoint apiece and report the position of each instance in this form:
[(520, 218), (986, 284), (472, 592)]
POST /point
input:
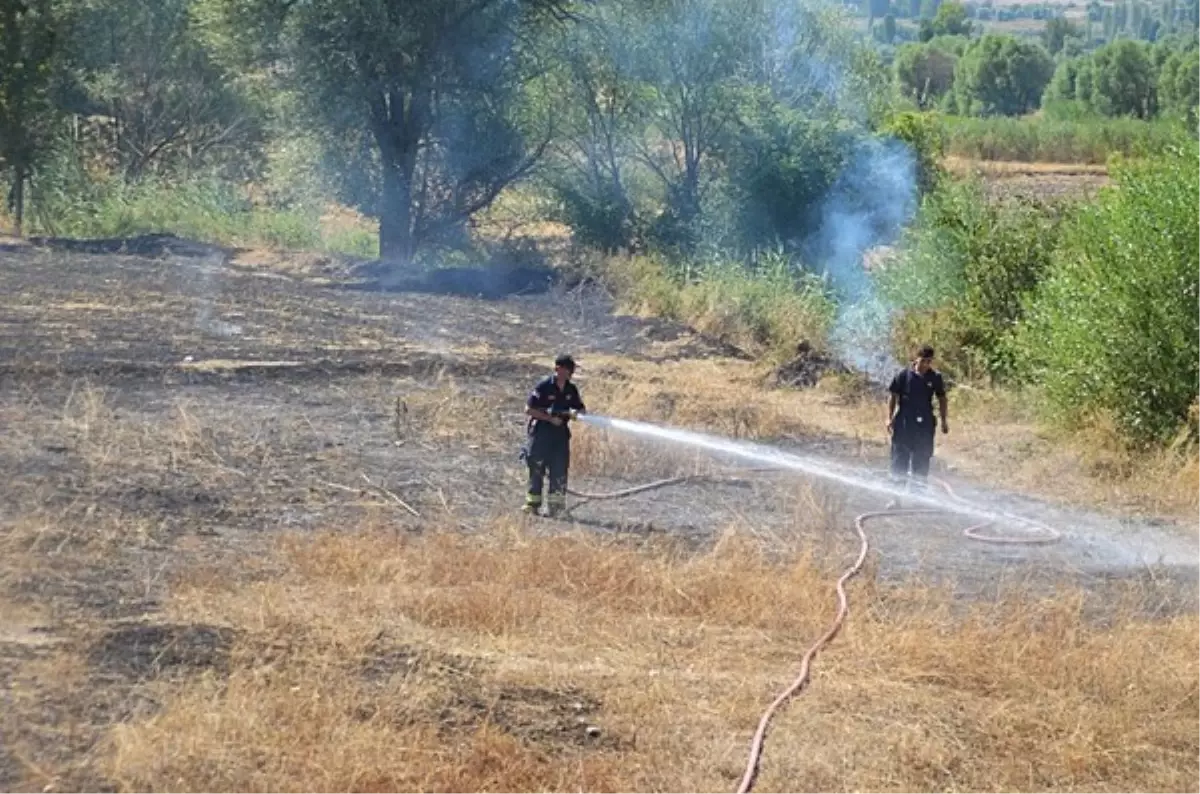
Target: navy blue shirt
[(916, 393), (546, 396)]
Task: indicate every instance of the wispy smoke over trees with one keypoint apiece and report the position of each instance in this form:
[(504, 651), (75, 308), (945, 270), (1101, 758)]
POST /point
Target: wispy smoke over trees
[(424, 105), (708, 123), (758, 152), (677, 124)]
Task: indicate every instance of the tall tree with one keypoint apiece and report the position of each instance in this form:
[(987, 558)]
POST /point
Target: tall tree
[(689, 54), (429, 94), (1179, 85), (875, 9), (145, 67), (950, 20), (1125, 82), (28, 37), (688, 121), (1001, 75), (1058, 29), (925, 72), (601, 110)]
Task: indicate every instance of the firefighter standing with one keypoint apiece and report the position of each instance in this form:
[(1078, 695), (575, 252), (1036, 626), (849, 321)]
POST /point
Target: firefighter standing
[(910, 416), (553, 402)]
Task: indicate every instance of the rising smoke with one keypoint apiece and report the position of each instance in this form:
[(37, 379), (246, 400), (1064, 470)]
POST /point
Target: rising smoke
[(870, 202), (205, 284), (874, 197)]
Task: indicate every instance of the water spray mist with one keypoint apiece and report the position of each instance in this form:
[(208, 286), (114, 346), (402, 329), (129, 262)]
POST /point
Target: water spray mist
[(762, 454)]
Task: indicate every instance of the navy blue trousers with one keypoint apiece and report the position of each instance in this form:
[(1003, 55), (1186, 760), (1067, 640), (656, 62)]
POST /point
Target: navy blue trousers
[(912, 448), (548, 456)]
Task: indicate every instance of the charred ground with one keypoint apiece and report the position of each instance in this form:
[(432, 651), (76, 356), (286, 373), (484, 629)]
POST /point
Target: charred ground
[(166, 410)]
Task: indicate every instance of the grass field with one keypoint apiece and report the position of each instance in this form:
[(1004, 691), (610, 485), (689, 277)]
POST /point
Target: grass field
[(260, 533)]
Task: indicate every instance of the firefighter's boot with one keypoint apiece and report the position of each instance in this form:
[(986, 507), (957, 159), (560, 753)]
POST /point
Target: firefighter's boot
[(533, 504), (556, 505)]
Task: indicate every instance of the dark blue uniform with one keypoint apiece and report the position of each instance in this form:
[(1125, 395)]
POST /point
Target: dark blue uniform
[(548, 448), (914, 424)]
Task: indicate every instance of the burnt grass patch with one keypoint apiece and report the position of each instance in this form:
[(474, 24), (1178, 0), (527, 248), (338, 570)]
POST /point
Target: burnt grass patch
[(146, 245), (806, 367), (491, 282), (140, 651), (563, 719), (385, 658)]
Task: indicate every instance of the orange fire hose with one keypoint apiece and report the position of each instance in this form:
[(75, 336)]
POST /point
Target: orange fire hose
[(1050, 535), (974, 532)]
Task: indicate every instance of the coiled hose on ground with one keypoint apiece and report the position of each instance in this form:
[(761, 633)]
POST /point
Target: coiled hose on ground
[(974, 532)]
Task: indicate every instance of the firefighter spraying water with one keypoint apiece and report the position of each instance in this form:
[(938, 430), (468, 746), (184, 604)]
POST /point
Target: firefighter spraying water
[(551, 406), (555, 403)]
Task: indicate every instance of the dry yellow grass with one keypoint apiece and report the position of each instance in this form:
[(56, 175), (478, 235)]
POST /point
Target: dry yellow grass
[(714, 395), (452, 662), (368, 659), (998, 169)]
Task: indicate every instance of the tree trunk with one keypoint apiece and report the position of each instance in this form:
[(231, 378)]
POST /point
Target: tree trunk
[(690, 210), (399, 125), (18, 198), (396, 241)]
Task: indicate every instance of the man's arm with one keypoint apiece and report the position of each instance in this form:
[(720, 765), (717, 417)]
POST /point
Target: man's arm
[(943, 407), (895, 389), (538, 413), (534, 412)]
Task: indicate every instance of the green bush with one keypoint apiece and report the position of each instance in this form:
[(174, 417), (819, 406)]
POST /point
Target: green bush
[(1077, 138), (1179, 86), (924, 134), (765, 307), (67, 202), (599, 213), (955, 333), (964, 272), (1000, 75), (1119, 79), (924, 72), (1113, 329), (782, 165)]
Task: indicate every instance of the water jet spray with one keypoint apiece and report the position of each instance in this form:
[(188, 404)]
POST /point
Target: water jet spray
[(824, 469)]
